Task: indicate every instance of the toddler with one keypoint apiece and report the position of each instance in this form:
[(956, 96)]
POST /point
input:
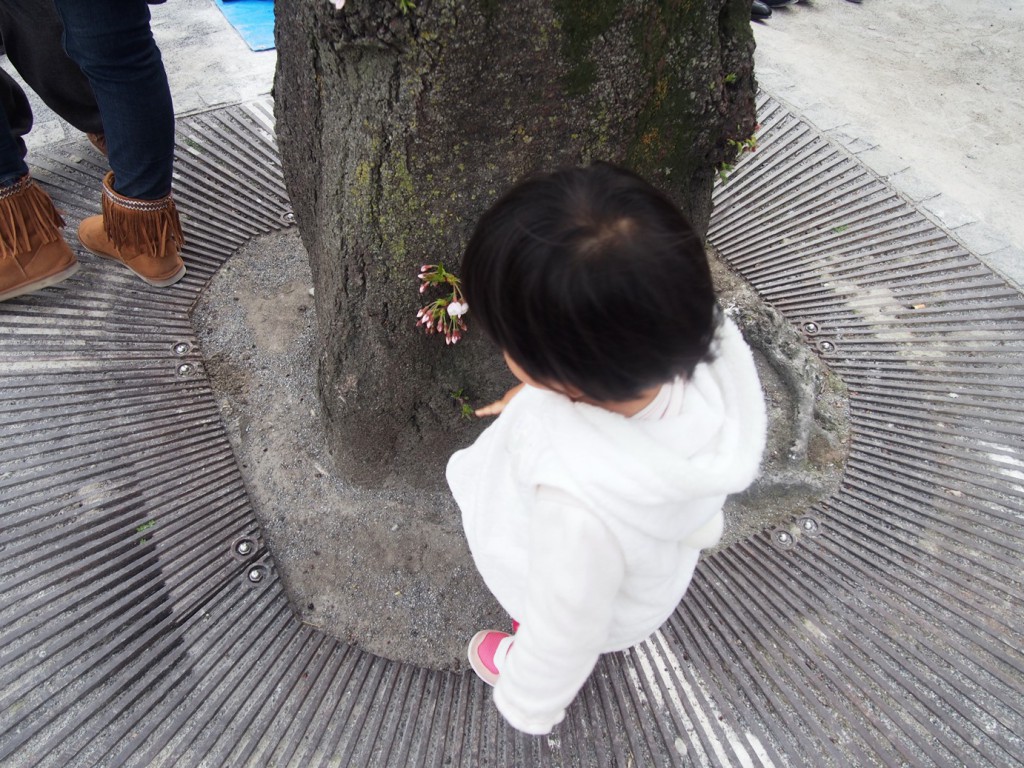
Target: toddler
[(587, 502)]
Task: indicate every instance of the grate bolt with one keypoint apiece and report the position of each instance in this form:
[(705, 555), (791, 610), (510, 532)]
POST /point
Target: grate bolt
[(826, 346), (186, 369), (256, 574), (811, 328), (182, 348)]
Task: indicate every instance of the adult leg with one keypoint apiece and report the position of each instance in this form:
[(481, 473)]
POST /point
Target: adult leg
[(33, 254), (113, 44), (32, 34), (17, 122)]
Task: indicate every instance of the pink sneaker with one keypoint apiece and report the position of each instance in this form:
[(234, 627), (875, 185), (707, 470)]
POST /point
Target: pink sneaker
[(487, 652)]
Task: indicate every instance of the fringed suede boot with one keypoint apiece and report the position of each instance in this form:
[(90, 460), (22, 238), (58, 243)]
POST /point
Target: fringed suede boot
[(144, 235), (33, 254)]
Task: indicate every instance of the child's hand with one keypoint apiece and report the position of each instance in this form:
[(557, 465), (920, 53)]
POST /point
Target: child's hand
[(499, 405)]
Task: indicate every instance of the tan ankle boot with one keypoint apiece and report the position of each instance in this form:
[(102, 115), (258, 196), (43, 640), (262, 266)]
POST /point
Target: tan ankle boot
[(33, 254), (144, 235)]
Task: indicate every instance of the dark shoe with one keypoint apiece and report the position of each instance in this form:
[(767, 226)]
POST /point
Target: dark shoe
[(777, 3), (144, 235), (99, 141), (33, 254), (758, 10)]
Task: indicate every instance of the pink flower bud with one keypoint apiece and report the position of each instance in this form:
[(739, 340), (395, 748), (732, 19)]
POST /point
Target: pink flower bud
[(423, 288)]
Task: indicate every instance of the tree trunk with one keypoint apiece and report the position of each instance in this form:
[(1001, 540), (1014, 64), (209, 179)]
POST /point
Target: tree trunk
[(397, 130)]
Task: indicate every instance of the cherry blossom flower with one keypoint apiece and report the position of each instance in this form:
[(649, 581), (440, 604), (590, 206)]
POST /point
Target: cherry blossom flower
[(443, 315)]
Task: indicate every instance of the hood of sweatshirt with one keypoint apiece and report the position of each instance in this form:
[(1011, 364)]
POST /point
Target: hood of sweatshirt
[(647, 474)]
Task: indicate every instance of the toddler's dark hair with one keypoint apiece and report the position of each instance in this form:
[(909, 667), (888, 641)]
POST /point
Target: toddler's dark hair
[(592, 278)]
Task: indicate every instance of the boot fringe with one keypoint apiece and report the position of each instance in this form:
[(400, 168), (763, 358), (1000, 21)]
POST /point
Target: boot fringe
[(148, 227), (26, 209)]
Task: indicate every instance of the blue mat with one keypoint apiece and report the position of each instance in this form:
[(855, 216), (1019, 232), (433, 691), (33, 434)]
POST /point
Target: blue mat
[(253, 19)]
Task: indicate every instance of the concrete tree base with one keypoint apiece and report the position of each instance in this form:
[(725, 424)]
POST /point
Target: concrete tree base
[(389, 570)]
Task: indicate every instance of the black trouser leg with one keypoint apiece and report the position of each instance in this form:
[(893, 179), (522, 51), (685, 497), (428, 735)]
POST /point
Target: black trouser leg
[(32, 34)]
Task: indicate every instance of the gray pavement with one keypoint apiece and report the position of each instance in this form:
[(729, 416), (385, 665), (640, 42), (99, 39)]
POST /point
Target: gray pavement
[(929, 95)]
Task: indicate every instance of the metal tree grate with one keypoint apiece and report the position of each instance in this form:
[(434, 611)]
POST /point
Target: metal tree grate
[(142, 622)]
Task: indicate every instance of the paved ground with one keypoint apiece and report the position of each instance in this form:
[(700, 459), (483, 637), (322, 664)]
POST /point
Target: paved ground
[(932, 91)]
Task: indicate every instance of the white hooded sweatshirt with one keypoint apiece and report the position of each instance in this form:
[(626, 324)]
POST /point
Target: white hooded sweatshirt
[(587, 525)]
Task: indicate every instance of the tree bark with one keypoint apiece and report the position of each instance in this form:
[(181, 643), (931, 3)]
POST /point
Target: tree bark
[(398, 130)]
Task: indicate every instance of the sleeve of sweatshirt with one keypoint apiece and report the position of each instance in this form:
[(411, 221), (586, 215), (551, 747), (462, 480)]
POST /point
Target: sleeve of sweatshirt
[(576, 568)]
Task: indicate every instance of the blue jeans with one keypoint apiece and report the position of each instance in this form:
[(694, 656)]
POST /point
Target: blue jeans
[(112, 43)]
